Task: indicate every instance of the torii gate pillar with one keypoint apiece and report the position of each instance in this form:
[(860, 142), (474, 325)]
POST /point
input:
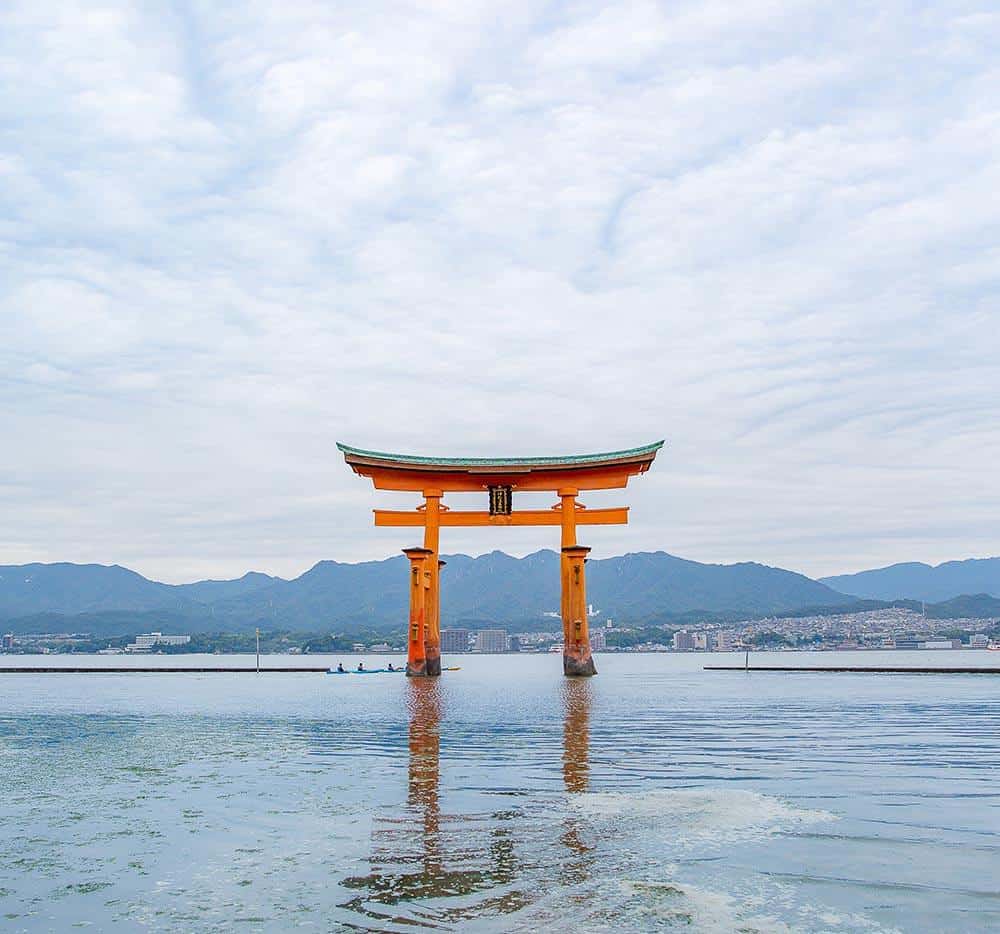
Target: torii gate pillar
[(577, 660), (432, 608), (416, 640)]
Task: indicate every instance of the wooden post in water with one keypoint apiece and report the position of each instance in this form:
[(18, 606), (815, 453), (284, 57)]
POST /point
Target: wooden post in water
[(567, 516), (416, 656), (432, 610), (577, 660)]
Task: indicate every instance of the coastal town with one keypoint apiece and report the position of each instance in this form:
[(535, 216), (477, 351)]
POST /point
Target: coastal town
[(881, 629)]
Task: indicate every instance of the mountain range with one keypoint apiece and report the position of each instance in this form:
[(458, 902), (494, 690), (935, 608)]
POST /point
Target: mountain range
[(113, 600)]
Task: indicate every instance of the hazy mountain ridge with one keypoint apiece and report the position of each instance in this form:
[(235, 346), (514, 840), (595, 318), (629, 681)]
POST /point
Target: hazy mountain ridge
[(81, 588), (639, 583), (212, 590), (335, 596), (64, 587), (914, 580)]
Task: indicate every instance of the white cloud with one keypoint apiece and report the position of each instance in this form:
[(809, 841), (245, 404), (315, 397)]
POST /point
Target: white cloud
[(233, 233)]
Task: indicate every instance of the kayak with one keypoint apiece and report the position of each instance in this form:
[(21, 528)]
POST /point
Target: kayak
[(367, 671), (380, 671)]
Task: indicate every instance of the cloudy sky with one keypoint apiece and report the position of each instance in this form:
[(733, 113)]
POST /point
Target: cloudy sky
[(232, 233)]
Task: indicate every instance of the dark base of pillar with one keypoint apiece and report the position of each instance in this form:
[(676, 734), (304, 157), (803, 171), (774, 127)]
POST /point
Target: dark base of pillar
[(416, 669), (579, 667), (433, 669)]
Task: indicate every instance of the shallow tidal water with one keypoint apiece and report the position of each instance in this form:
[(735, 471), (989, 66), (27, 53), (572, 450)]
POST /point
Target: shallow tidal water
[(502, 797)]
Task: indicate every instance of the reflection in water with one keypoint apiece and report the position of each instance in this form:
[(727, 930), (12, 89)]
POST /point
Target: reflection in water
[(423, 854), (423, 796), (576, 775), (576, 734)]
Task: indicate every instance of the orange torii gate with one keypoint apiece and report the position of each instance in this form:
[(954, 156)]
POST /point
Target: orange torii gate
[(499, 477)]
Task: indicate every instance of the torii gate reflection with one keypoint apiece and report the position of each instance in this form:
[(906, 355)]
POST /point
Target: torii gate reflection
[(576, 776), (403, 873)]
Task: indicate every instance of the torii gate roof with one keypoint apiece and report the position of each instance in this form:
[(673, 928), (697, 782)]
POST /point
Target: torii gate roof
[(588, 471), (644, 452)]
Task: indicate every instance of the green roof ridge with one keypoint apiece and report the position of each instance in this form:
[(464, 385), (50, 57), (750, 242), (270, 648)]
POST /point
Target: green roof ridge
[(502, 461)]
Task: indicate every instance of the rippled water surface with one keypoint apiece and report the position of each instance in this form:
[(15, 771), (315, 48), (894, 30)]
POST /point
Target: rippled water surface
[(656, 796)]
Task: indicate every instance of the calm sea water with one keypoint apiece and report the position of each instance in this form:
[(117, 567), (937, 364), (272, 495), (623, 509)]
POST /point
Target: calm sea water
[(656, 796)]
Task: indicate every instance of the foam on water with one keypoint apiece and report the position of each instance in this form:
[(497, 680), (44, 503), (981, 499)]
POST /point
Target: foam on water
[(630, 906), (684, 906), (699, 816)]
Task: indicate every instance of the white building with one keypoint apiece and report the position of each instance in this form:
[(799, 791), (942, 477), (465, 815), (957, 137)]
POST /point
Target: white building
[(147, 641), (723, 641), (598, 641)]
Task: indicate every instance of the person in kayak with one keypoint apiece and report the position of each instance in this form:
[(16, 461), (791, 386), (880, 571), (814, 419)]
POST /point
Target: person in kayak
[(361, 666), (390, 667), (340, 668)]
